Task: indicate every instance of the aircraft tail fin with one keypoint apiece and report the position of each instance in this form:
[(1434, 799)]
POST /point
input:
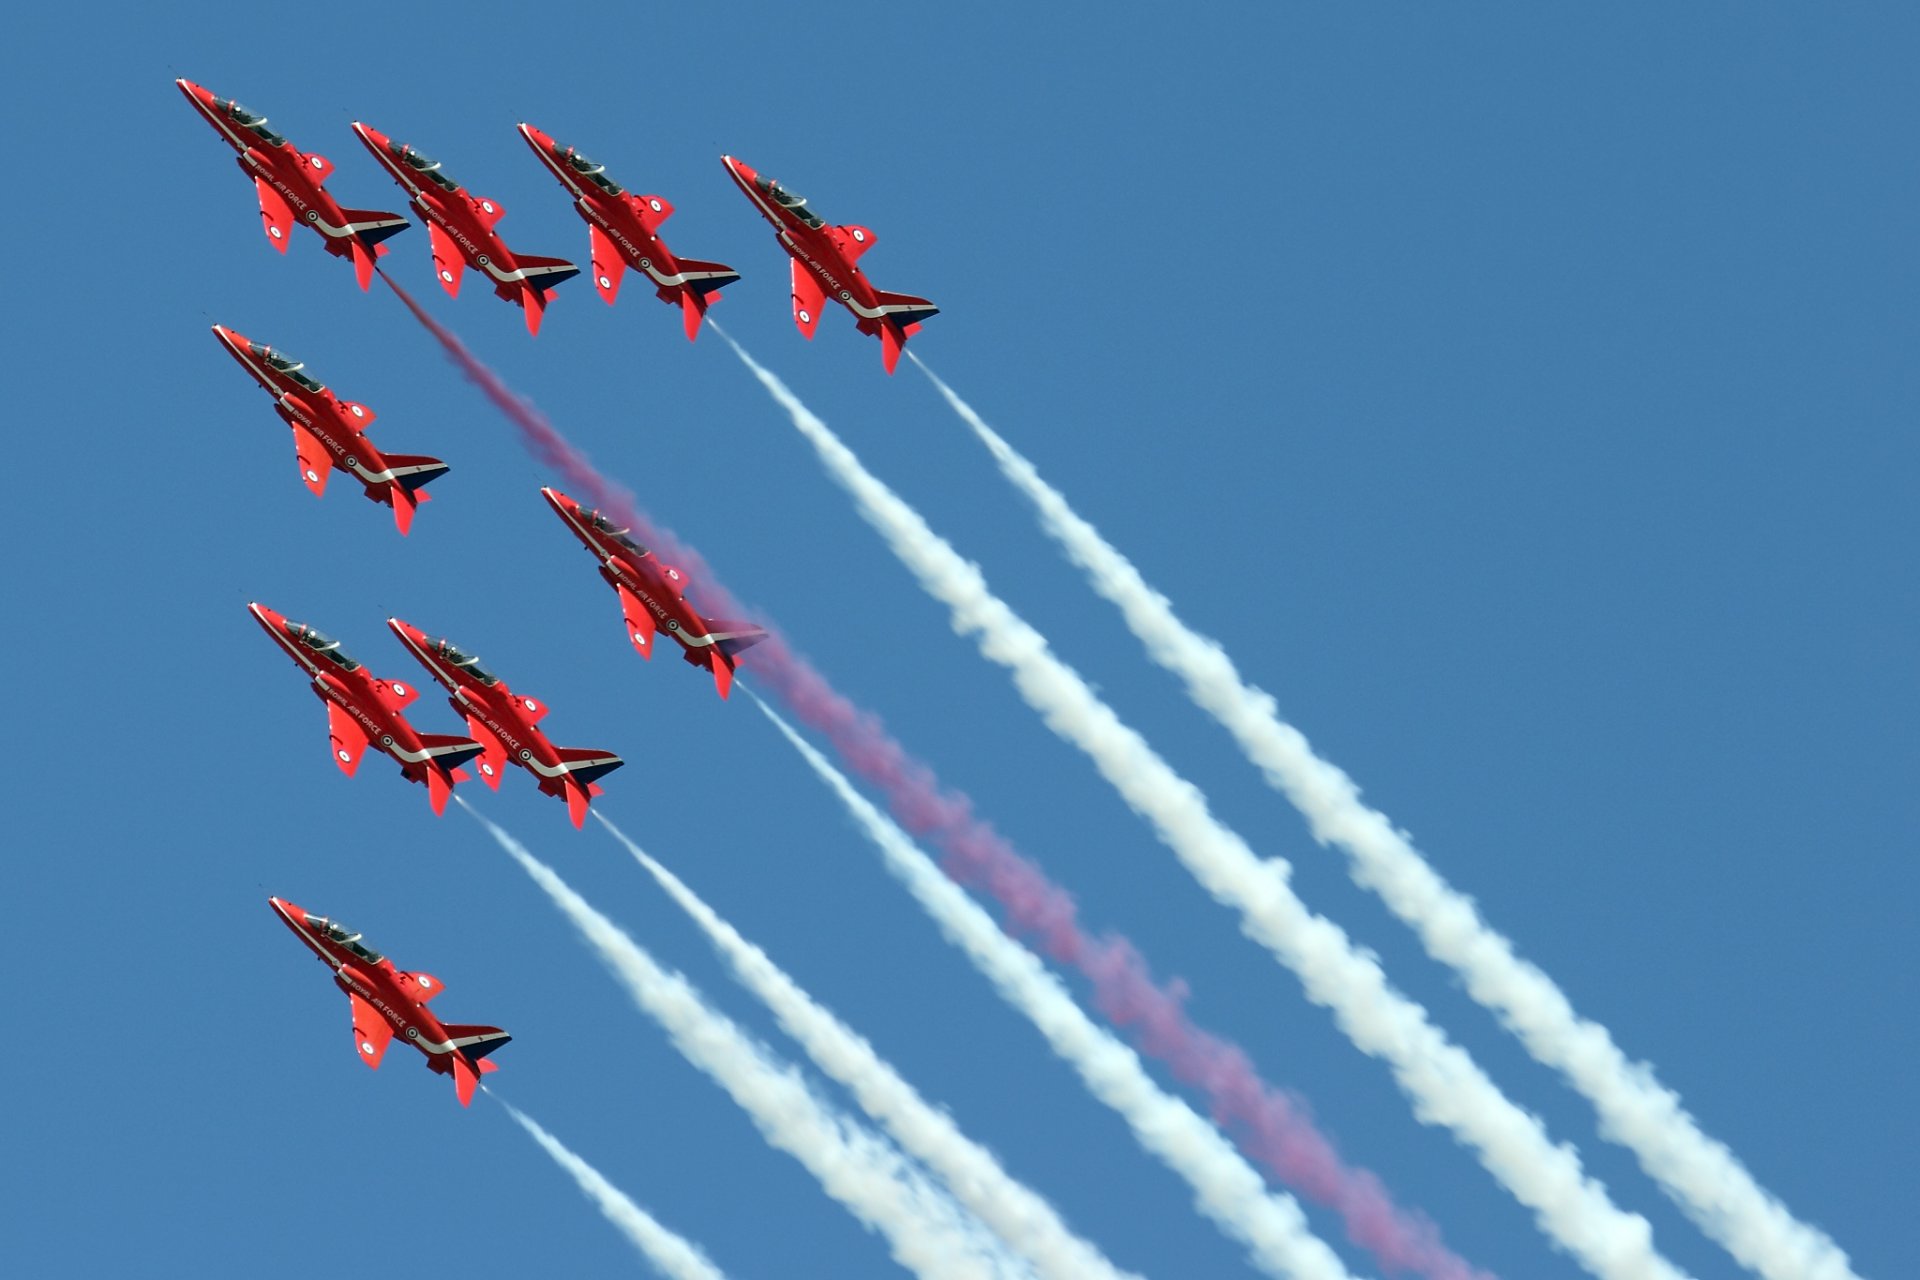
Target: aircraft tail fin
[(734, 638), (544, 273), (446, 753), (415, 471), (706, 277), (903, 315), (371, 226), (586, 763), (905, 309), (475, 1042)]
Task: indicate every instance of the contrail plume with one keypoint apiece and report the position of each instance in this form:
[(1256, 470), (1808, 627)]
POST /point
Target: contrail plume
[(1446, 1086), (926, 1232), (1226, 1188), (671, 1255), (1272, 1127), (1019, 1216), (1699, 1173)]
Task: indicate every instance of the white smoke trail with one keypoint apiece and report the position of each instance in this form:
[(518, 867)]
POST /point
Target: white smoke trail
[(926, 1231), (1226, 1188), (1701, 1174), (1446, 1086), (671, 1255), (1006, 1206)]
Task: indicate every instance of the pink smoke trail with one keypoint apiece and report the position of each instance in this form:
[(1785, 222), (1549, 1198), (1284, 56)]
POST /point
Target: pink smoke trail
[(1270, 1125)]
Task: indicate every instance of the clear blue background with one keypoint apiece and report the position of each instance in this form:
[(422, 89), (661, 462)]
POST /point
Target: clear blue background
[(1526, 399)]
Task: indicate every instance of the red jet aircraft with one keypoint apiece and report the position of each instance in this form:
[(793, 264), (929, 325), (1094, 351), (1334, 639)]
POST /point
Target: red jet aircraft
[(823, 263), (363, 709), (650, 591), (462, 225), (289, 180), (624, 231), (503, 721), (327, 432), (386, 1000)]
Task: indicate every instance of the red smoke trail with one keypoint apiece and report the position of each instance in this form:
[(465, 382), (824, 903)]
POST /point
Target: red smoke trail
[(1270, 1125)]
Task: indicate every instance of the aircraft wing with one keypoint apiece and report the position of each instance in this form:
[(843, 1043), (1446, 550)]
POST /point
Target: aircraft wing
[(608, 265), (447, 262), (808, 298), (371, 1032), (395, 695), (315, 463), (421, 986), (639, 621), (276, 219), (349, 739)]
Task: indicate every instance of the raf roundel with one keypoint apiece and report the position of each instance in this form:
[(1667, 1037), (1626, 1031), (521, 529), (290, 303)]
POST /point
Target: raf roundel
[(487, 205), (313, 215), (605, 283), (358, 412), (484, 260), (413, 1033), (366, 1048), (399, 688), (274, 232), (312, 474), (656, 205), (344, 755), (859, 236), (805, 318), (526, 753), (447, 276)]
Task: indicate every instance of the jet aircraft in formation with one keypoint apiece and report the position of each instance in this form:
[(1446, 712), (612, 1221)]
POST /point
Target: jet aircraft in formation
[(461, 226), (623, 230), (823, 262), (291, 181), (329, 434), (504, 724), (650, 595), (386, 1000), (327, 431), (361, 708)]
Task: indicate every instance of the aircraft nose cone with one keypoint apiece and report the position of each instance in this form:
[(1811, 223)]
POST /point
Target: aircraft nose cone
[(266, 617), (406, 630), (559, 501)]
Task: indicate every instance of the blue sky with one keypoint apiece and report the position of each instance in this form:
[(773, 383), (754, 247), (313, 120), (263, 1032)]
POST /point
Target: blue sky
[(1525, 399)]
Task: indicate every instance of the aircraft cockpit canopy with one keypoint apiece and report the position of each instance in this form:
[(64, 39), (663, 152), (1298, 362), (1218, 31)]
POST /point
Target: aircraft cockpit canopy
[(323, 644), (792, 203), (615, 532), (284, 363), (425, 165), (251, 121), (336, 932), (465, 661), (592, 170)]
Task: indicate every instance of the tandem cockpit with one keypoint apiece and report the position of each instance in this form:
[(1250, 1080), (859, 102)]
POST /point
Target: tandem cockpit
[(616, 532), (322, 645), (252, 121), (283, 363), (423, 164), (592, 170), (338, 933), (791, 202), (467, 662)]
